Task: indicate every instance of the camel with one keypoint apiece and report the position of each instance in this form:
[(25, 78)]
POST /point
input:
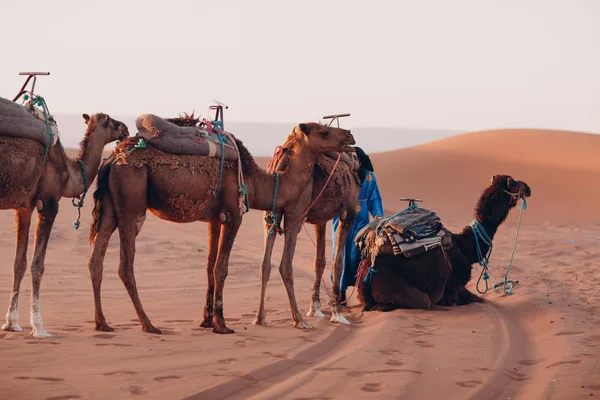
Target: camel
[(27, 181), (439, 276), (181, 188), (339, 197)]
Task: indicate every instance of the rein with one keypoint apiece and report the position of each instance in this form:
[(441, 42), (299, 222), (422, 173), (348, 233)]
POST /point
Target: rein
[(274, 226), (78, 201)]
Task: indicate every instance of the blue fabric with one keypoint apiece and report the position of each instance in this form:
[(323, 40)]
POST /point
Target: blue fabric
[(369, 202)]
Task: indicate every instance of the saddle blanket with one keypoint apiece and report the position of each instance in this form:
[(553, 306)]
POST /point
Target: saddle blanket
[(26, 121)]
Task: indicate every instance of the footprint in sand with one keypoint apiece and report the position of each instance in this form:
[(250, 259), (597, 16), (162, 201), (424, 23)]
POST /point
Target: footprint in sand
[(114, 344), (120, 373), (104, 336), (65, 397), (468, 384), (556, 364), (395, 363), (567, 333), (166, 378), (179, 321), (531, 362), (39, 378), (371, 387), (137, 390), (42, 342), (389, 352), (516, 376), (424, 344), (227, 361)]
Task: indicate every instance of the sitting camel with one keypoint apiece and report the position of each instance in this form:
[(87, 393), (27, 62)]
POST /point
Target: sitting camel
[(28, 182), (338, 196), (180, 188), (438, 276)]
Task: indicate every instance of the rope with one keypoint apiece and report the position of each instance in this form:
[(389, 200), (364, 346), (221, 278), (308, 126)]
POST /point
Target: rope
[(506, 283), (78, 201), (244, 204), (222, 142), (278, 229), (480, 234), (41, 102), (141, 144), (274, 224)]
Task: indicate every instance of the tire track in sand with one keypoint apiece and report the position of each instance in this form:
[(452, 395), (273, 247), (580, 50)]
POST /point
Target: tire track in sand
[(519, 370)]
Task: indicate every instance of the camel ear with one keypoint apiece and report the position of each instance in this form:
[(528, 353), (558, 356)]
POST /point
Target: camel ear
[(106, 120), (493, 178), (304, 128), (86, 118), (509, 182)]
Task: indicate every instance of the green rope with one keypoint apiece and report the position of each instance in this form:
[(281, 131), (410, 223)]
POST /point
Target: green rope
[(141, 144), (39, 100), (480, 234), (78, 201), (222, 141)]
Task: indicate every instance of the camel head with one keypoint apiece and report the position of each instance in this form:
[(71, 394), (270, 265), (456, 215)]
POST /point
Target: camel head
[(322, 138), (102, 125), (518, 189)]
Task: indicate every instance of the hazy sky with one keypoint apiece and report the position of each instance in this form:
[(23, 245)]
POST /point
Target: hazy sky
[(460, 64)]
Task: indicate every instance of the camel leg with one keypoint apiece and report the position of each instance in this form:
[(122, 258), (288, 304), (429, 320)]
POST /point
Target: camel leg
[(265, 274), (466, 297), (22, 222), (214, 230), (390, 292), (228, 234), (45, 221), (287, 271), (337, 315), (315, 304), (106, 228)]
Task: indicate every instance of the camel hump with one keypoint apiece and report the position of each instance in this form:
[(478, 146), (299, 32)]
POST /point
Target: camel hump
[(26, 121), (183, 140)]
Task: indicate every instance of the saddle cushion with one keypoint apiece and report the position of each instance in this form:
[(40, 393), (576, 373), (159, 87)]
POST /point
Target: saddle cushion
[(409, 232), (183, 140), (26, 121)]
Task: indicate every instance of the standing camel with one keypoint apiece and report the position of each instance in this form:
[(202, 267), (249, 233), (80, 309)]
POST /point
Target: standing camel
[(339, 196), (28, 182), (439, 276), (181, 188)]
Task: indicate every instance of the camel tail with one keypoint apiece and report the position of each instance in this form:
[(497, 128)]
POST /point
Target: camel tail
[(101, 189)]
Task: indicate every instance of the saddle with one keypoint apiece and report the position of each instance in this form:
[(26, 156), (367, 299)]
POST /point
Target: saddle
[(184, 140), (27, 121), (410, 232)]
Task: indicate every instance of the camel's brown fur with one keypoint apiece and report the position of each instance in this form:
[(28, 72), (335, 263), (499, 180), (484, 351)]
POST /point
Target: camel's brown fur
[(179, 189), (339, 197), (27, 181), (438, 276)]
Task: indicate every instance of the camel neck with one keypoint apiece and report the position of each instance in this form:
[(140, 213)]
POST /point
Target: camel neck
[(293, 181), (90, 157)]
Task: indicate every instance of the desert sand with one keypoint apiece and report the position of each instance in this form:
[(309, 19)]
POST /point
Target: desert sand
[(540, 343)]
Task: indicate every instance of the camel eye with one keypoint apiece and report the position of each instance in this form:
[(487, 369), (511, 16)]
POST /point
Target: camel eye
[(324, 134)]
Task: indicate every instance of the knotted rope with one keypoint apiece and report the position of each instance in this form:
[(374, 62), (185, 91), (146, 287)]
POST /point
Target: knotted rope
[(481, 235), (507, 285)]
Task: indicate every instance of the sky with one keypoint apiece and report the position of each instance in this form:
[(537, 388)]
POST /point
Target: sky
[(457, 65)]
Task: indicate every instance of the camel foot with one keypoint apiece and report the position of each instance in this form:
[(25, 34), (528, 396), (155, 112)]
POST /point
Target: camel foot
[(223, 330), (261, 319), (302, 325), (12, 327), (338, 318), (207, 323), (151, 329), (104, 327), (37, 328), (314, 310), (12, 322), (40, 333)]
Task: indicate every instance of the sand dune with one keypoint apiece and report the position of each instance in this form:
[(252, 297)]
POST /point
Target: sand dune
[(540, 343)]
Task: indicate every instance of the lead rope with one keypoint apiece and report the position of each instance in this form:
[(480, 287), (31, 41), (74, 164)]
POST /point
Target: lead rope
[(507, 285), (78, 201)]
